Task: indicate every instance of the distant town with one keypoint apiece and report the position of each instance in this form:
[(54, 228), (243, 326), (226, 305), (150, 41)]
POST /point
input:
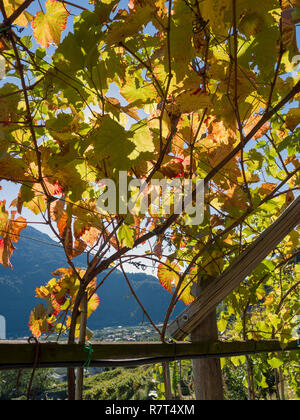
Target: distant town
[(120, 333)]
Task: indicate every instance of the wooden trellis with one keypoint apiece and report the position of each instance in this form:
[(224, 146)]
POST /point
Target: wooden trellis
[(244, 265), (20, 354), (15, 354)]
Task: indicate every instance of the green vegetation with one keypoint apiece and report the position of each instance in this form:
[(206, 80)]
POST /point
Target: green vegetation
[(146, 382), (112, 384), (14, 383), (119, 384)]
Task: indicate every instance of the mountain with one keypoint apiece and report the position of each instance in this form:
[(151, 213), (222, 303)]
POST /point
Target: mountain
[(37, 256)]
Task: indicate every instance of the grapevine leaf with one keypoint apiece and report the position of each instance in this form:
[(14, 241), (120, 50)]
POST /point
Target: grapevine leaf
[(38, 321), (293, 118), (13, 5), (126, 236), (48, 27), (275, 363), (167, 275), (93, 304)]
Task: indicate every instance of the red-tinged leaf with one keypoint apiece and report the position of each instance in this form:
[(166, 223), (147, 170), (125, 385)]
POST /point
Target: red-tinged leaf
[(167, 275), (131, 4), (48, 27), (3, 45), (6, 250), (85, 232), (54, 189), (173, 169), (55, 304), (38, 321)]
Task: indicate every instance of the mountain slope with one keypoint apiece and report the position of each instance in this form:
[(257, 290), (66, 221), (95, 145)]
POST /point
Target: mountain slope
[(34, 261)]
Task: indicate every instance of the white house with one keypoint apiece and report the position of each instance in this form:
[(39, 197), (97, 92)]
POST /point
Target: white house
[(2, 328)]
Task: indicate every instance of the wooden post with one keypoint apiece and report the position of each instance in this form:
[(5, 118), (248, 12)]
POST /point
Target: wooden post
[(167, 381), (80, 371), (208, 381)]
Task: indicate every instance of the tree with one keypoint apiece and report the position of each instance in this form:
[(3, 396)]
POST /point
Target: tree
[(206, 91)]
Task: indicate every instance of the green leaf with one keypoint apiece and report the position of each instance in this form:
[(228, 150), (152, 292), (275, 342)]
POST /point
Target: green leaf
[(112, 144), (275, 363), (222, 324), (143, 140), (126, 236), (137, 92), (130, 26)]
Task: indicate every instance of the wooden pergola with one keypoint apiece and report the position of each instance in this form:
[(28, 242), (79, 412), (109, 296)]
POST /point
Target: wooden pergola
[(17, 355), (199, 319), (244, 265)]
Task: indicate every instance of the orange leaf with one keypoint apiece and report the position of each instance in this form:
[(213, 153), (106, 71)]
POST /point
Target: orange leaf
[(16, 228), (38, 321), (6, 250), (93, 304), (267, 188), (56, 210), (167, 275)]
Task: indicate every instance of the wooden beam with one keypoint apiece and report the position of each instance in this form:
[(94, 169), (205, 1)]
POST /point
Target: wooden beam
[(15, 354), (208, 381), (221, 287)]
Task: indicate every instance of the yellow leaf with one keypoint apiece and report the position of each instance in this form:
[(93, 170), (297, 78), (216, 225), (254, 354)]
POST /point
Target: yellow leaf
[(93, 304), (188, 102), (269, 300), (42, 292), (131, 24), (293, 118), (13, 5)]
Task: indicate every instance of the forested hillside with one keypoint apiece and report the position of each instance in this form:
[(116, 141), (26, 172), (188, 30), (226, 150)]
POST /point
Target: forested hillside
[(38, 257)]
